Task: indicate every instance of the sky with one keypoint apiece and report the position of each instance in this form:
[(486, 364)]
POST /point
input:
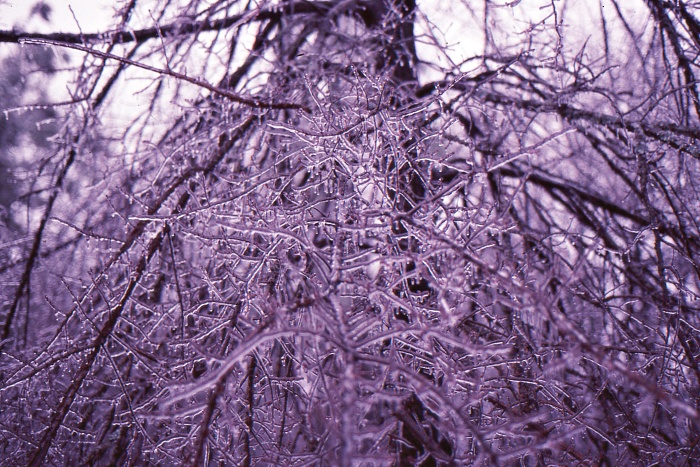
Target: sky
[(96, 15), (460, 22), (91, 15), (456, 25)]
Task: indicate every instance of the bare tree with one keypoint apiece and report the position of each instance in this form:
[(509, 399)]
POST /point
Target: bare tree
[(308, 233)]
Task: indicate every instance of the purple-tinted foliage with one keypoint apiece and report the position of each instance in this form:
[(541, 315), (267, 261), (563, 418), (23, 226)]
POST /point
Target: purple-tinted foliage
[(302, 233)]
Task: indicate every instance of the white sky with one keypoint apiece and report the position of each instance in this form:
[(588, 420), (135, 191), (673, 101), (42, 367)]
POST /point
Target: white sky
[(460, 28), (457, 24), (92, 15)]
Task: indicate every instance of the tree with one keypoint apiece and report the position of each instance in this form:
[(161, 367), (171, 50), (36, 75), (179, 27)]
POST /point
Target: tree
[(303, 232)]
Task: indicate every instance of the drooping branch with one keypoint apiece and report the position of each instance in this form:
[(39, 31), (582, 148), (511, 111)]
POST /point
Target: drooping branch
[(257, 104), (365, 10)]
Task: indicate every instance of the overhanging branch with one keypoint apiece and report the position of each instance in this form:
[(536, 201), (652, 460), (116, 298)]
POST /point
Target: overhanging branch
[(192, 27)]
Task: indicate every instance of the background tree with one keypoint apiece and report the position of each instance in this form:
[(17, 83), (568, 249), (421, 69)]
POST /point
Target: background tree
[(306, 232)]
